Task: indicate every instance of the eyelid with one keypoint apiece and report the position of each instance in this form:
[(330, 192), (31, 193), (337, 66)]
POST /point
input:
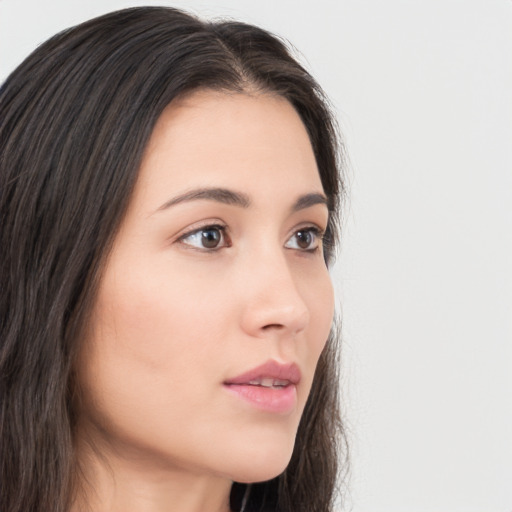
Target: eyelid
[(310, 226), (202, 226), (317, 231), (196, 226)]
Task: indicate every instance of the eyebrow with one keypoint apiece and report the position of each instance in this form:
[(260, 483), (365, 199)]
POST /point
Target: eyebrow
[(221, 195), (226, 196), (308, 200)]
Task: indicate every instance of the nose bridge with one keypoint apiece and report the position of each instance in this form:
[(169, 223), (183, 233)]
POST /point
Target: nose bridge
[(274, 301)]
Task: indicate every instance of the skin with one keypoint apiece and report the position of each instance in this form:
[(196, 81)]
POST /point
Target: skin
[(174, 320)]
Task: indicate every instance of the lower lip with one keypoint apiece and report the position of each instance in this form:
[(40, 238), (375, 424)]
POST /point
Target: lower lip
[(277, 400)]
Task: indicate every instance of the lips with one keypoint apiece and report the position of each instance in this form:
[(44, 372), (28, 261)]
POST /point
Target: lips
[(270, 387), (271, 370)]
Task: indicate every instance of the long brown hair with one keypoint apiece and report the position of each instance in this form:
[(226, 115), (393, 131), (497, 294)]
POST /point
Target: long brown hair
[(75, 118)]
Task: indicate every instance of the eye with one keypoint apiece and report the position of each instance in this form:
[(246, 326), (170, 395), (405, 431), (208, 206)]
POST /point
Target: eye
[(305, 239), (206, 238)]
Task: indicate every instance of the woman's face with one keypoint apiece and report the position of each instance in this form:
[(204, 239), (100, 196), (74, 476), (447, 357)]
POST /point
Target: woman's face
[(215, 301)]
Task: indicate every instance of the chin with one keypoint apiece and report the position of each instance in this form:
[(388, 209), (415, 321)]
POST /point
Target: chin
[(255, 475), (261, 463)]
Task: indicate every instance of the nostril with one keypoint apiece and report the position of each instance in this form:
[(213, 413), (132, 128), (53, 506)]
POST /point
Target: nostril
[(273, 326)]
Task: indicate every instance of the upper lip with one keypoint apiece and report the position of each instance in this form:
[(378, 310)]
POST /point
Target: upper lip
[(270, 370)]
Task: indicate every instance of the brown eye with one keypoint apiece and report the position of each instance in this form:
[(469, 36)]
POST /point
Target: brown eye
[(307, 239), (206, 238), (304, 239), (210, 238)]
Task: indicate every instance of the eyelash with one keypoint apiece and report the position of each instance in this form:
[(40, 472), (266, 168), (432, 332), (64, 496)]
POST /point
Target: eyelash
[(208, 227), (317, 233)]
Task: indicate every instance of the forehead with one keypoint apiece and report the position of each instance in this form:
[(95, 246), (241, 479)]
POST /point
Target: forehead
[(211, 138)]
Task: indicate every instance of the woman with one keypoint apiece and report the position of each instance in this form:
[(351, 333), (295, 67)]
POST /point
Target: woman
[(169, 192)]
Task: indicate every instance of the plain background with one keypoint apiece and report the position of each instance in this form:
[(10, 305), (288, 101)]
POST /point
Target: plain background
[(423, 93)]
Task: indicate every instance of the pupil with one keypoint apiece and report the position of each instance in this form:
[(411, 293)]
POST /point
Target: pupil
[(210, 238), (304, 239)]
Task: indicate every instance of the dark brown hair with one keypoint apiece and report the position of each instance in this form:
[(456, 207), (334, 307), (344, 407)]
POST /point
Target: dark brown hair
[(75, 118)]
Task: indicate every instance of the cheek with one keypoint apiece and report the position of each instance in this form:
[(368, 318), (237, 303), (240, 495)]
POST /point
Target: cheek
[(153, 333), (319, 296), (317, 292), (147, 366), (151, 305)]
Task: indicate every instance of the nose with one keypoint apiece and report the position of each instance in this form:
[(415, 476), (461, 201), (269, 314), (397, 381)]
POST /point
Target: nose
[(274, 305)]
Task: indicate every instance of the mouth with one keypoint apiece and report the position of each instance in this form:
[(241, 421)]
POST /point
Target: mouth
[(269, 382), (271, 387)]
